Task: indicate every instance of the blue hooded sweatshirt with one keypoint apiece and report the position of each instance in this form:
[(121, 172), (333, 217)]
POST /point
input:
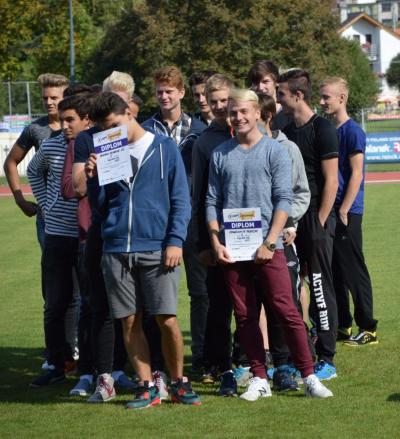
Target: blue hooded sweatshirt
[(150, 213)]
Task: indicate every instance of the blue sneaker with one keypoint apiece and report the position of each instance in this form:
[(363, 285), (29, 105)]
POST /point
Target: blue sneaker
[(145, 397), (284, 379), (242, 375), (324, 370), (228, 385), (182, 393), (122, 381)]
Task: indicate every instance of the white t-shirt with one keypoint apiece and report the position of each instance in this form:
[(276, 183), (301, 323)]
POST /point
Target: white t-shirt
[(137, 151)]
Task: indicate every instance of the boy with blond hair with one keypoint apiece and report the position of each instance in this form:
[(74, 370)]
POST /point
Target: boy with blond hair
[(253, 171), (349, 207)]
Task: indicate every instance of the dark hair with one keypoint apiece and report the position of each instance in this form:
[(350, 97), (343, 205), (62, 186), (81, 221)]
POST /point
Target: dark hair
[(298, 80), (260, 69), (96, 88), (78, 103), (267, 106), (137, 100), (77, 89), (106, 104), (200, 77)]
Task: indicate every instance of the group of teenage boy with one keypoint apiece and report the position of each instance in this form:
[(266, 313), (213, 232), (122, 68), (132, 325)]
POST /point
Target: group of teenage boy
[(115, 250)]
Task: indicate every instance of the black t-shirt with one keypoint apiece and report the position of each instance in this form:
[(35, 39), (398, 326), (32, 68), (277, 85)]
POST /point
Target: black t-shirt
[(35, 133), (317, 140), (281, 121)]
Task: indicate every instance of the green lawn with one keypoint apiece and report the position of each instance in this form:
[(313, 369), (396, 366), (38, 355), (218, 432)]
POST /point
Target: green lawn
[(378, 126), (367, 390)]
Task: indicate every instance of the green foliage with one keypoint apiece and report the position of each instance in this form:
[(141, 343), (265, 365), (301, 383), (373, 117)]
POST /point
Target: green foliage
[(393, 73), (228, 36), (139, 36), (35, 38)]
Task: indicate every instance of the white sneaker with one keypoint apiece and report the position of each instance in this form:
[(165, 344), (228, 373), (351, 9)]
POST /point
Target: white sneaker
[(160, 380), (256, 388), (105, 389), (83, 387), (314, 388)]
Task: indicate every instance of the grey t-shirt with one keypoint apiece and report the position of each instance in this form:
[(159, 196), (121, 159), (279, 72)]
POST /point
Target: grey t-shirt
[(255, 177), (35, 133)]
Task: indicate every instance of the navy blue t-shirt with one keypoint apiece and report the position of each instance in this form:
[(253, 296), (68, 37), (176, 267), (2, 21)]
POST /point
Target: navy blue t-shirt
[(352, 140)]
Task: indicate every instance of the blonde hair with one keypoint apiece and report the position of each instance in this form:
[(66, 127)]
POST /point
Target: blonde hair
[(244, 95), (52, 80), (340, 82), (119, 81), (218, 82)]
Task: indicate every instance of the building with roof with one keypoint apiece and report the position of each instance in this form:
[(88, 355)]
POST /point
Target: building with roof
[(379, 43)]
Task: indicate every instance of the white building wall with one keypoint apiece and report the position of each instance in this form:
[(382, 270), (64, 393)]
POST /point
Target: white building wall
[(387, 46), (7, 141)]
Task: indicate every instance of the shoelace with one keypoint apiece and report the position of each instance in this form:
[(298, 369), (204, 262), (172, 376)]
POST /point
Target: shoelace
[(253, 384), (103, 384)]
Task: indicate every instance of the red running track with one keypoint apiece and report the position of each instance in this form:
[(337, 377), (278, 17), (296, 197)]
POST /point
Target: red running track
[(371, 177)]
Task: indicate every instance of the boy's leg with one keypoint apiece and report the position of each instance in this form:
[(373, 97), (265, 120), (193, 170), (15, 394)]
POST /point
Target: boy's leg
[(122, 284), (196, 274), (275, 281), (239, 281), (316, 248), (348, 253), (59, 258), (136, 346)]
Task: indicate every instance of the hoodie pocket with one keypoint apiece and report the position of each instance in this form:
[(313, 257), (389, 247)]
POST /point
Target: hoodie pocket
[(116, 224), (149, 224)]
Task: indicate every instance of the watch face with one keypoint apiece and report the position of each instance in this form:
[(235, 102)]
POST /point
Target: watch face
[(272, 246)]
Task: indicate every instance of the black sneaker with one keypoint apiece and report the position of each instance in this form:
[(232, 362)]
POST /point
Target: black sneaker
[(344, 333), (363, 338), (51, 377), (228, 385), (284, 379)]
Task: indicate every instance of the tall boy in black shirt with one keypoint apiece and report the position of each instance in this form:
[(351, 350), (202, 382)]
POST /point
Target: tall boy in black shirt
[(318, 143)]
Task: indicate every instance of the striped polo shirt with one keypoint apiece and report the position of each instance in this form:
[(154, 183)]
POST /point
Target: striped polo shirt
[(44, 173)]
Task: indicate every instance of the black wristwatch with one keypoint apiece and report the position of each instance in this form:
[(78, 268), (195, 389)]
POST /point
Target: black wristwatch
[(270, 245)]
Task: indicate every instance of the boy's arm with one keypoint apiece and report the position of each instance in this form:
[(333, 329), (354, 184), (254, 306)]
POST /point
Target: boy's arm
[(37, 177), (356, 162), (330, 171), (214, 204), (14, 157), (67, 189)]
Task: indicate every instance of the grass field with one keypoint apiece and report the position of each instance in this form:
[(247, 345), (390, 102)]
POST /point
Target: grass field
[(378, 126), (367, 390)]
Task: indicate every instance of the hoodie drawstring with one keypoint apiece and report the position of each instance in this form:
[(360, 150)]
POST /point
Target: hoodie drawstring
[(161, 163)]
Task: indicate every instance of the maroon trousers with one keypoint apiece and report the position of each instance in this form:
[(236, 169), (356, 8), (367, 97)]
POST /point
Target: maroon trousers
[(274, 279)]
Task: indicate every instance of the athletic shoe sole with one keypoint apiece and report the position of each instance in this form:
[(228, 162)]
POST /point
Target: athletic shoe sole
[(152, 404), (360, 344), (175, 400)]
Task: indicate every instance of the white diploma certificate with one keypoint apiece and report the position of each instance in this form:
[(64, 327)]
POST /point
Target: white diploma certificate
[(243, 232), (113, 159)]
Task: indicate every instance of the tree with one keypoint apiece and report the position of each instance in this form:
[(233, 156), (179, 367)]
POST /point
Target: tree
[(393, 73), (228, 36), (35, 38)]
